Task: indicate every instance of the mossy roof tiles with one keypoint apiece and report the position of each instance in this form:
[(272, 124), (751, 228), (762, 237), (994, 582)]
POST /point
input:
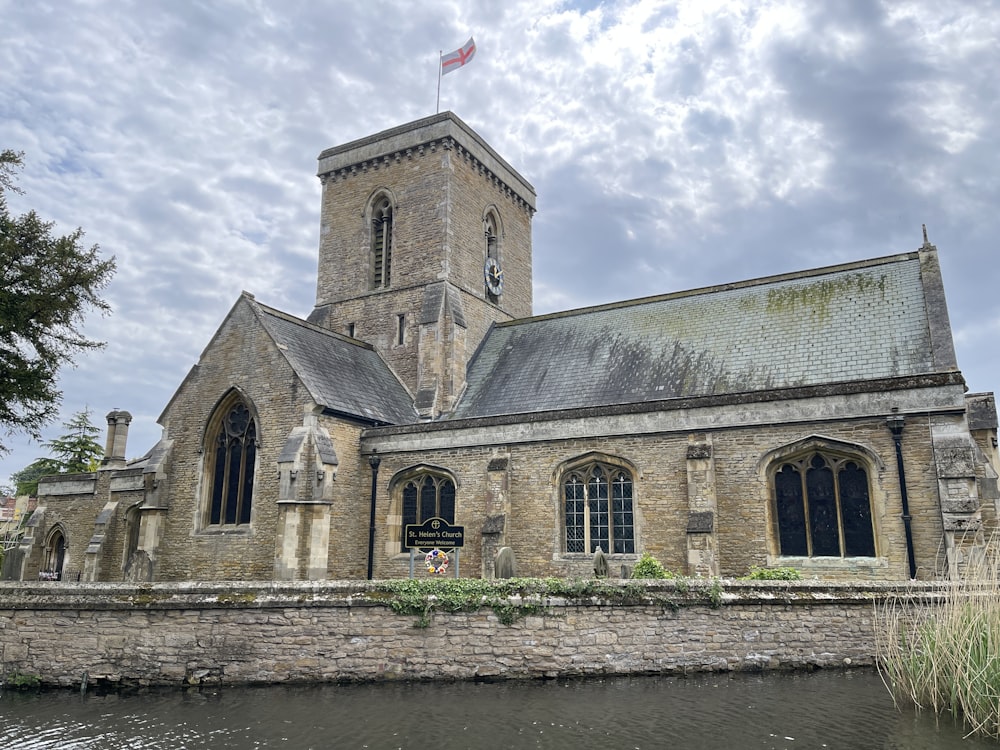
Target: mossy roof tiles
[(854, 322)]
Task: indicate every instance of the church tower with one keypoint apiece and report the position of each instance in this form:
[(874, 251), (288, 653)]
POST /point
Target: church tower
[(425, 241)]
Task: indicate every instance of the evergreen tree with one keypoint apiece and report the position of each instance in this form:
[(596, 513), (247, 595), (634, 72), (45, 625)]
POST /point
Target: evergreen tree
[(77, 450), (47, 283)]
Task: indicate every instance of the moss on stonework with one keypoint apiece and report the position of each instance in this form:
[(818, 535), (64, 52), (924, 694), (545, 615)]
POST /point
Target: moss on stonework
[(241, 598), (816, 298), (147, 598), (512, 599)]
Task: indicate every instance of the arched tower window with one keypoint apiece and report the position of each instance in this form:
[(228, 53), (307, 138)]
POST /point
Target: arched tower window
[(493, 275), (426, 495), (381, 243), (822, 506), (598, 509), (231, 449)]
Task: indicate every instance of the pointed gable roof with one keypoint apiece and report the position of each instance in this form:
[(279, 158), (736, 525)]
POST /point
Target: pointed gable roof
[(883, 318), (342, 374)]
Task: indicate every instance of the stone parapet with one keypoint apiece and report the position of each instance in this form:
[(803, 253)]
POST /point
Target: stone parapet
[(212, 633)]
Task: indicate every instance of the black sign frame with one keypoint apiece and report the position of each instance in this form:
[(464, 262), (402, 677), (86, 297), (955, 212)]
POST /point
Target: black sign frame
[(434, 533)]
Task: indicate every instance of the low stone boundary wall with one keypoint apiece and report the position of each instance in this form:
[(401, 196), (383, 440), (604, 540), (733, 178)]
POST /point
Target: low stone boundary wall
[(197, 633)]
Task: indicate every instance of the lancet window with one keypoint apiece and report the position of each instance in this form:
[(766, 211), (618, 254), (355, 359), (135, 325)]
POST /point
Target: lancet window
[(381, 243)]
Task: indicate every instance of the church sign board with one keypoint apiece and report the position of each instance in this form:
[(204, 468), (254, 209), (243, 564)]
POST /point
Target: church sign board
[(435, 532)]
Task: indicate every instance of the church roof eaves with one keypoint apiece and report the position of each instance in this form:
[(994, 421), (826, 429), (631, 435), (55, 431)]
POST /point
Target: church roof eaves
[(887, 385)]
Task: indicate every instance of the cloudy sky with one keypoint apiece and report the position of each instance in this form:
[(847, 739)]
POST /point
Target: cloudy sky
[(672, 145)]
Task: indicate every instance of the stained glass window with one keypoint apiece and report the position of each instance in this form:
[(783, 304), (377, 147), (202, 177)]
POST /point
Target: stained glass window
[(427, 496), (823, 509), (234, 457)]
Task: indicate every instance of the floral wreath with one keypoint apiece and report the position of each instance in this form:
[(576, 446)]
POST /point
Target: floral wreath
[(436, 562)]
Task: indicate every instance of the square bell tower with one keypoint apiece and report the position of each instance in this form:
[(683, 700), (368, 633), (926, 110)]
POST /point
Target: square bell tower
[(425, 241)]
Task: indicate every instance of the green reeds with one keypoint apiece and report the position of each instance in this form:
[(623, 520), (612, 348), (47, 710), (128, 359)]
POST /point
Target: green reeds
[(942, 651)]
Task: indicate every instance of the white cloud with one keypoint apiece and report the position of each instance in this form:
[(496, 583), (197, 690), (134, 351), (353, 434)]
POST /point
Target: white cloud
[(674, 145)]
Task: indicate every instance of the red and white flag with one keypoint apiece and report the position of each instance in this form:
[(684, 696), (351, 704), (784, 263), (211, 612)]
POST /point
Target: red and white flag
[(458, 58)]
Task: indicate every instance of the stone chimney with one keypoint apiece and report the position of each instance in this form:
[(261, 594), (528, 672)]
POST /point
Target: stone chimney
[(114, 449)]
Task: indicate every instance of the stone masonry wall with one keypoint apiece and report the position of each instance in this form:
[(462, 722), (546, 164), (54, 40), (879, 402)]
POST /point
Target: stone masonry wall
[(744, 525), (263, 633), (244, 357)]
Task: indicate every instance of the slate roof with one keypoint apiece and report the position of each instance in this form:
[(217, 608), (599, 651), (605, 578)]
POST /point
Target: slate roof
[(341, 374), (859, 321)]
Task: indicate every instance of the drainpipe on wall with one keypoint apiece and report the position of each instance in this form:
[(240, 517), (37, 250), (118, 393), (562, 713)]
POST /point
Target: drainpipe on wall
[(373, 461), (895, 423)]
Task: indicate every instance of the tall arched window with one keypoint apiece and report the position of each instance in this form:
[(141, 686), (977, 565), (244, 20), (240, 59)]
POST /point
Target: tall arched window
[(133, 520), (597, 507), (426, 496), (491, 234), (232, 453), (381, 242), (823, 507)]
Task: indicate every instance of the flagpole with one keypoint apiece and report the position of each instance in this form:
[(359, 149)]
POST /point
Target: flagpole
[(437, 106)]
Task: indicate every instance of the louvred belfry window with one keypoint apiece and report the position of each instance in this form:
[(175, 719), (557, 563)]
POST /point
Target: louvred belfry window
[(381, 244), (234, 456), (823, 508), (598, 510)]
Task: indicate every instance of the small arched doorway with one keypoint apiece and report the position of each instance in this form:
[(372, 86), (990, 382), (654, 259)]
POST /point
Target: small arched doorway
[(55, 556)]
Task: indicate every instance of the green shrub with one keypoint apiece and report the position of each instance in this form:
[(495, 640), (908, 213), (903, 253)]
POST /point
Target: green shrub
[(649, 567), (19, 681), (772, 574)]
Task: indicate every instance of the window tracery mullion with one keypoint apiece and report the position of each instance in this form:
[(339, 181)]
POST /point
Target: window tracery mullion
[(805, 509), (822, 482)]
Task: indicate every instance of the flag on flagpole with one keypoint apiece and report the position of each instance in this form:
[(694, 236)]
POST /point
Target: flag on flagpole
[(458, 58)]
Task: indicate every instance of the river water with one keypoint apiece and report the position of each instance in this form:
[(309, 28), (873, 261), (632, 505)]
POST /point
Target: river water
[(850, 710)]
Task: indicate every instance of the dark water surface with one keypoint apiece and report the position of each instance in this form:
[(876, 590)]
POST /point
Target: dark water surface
[(817, 710)]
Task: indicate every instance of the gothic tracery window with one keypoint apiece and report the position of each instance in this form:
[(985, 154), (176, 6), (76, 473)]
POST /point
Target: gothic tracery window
[(426, 496), (233, 447), (598, 512), (823, 507), (381, 243)]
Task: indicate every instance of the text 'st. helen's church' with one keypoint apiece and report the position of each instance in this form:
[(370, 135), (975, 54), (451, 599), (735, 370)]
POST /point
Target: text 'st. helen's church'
[(815, 419)]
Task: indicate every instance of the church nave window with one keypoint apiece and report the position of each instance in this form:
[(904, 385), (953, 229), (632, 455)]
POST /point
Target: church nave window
[(598, 510), (427, 496), (823, 507)]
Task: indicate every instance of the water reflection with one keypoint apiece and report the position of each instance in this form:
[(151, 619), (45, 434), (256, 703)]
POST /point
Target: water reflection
[(818, 710)]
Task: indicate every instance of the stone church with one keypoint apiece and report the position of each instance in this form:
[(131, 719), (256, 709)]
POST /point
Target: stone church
[(816, 419)]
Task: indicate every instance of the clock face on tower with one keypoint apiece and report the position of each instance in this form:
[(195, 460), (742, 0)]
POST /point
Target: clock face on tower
[(493, 276)]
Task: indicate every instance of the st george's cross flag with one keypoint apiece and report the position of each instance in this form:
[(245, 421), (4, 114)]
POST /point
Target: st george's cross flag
[(458, 58)]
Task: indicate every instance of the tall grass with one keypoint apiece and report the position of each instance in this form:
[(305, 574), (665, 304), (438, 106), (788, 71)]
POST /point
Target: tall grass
[(942, 651)]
